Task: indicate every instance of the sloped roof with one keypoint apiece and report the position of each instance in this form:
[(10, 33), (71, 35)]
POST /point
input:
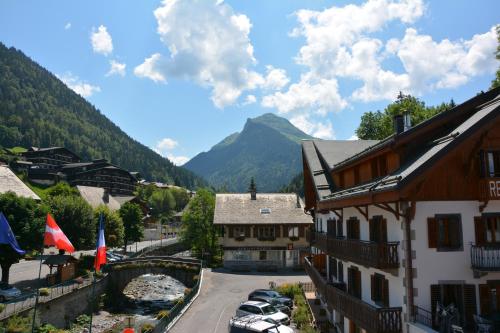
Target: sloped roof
[(434, 150), (95, 197), (9, 182), (238, 208)]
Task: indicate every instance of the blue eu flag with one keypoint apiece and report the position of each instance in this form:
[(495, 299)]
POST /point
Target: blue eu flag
[(7, 236)]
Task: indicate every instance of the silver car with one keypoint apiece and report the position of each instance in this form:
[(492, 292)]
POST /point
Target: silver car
[(8, 292), (263, 309)]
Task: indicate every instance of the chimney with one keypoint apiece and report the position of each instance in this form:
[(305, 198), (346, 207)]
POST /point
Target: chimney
[(298, 200), (252, 189), (399, 124), (105, 196), (407, 120)]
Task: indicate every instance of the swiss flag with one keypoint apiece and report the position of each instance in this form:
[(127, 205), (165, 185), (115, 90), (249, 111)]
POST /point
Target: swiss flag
[(55, 237), (100, 256)]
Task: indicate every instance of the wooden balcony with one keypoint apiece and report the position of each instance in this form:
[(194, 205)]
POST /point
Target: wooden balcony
[(485, 257), (366, 253), (370, 318)]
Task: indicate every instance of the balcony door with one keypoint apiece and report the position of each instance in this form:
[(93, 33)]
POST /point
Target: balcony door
[(487, 228), (489, 298), (462, 296), (354, 282), (378, 229)]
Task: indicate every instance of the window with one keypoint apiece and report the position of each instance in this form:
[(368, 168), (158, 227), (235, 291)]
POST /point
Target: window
[(489, 297), (332, 267), (240, 232), (492, 161), (266, 233), (445, 232), (379, 166), (340, 272), (354, 282), (340, 228), (293, 232), (380, 290), (487, 229), (262, 255), (265, 210), (353, 228), (378, 229)]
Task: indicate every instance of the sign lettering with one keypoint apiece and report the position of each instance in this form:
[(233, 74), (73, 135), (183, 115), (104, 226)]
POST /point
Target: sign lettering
[(494, 187)]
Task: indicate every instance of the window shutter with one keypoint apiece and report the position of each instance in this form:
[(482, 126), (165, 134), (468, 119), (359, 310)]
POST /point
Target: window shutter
[(432, 232), (350, 281), (484, 299), (230, 229), (340, 228), (373, 286), (385, 292), (301, 231), (358, 283), (340, 272), (435, 298), (277, 231), (482, 163), (372, 229), (480, 230), (383, 230), (469, 302), (247, 231)]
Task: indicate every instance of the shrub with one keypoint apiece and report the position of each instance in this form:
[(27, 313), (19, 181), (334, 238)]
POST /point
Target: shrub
[(289, 290), (17, 324), (147, 327), (2, 307), (44, 291), (162, 314)]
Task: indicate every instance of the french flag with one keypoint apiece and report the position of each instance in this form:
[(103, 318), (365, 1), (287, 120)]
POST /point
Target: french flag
[(55, 237), (100, 257)]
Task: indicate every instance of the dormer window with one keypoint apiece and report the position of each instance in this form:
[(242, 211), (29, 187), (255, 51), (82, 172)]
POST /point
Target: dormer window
[(265, 211), (493, 164)]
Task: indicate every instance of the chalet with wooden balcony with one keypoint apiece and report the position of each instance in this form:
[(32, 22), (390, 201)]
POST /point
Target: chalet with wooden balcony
[(406, 231), (101, 173), (262, 231)]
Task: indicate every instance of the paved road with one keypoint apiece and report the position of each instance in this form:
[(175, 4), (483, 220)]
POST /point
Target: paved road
[(220, 295), (24, 274)]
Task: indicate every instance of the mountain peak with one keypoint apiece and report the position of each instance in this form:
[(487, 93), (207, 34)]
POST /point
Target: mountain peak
[(282, 125)]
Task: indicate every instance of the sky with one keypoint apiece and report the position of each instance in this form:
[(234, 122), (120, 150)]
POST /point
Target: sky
[(179, 76)]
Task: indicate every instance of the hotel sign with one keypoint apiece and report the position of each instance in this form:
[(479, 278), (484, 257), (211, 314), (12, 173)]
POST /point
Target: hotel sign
[(494, 189)]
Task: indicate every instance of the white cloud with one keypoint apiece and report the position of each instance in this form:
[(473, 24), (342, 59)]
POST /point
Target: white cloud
[(321, 95), (208, 44), (82, 88), (101, 40), (316, 129), (178, 160), (116, 68), (151, 68), (275, 79), (353, 137), (164, 148), (67, 26), (250, 99)]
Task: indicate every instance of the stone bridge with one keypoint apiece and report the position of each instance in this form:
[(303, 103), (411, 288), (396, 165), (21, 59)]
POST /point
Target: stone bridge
[(63, 309)]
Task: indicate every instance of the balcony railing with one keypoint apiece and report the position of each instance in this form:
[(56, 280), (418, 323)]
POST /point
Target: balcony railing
[(485, 257), (364, 315), (366, 253)]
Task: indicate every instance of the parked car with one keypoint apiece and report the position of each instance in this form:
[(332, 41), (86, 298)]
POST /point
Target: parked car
[(263, 309), (255, 323), (8, 292), (272, 294), (274, 302)]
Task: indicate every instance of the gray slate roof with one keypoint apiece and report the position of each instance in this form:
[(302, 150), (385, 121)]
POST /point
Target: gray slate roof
[(238, 208), (10, 183), (95, 197)]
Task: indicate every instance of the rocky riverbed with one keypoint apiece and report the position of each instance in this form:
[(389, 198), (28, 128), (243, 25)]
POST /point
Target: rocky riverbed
[(147, 295)]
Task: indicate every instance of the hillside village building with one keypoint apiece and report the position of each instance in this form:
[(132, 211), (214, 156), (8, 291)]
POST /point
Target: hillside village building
[(264, 231), (407, 230)]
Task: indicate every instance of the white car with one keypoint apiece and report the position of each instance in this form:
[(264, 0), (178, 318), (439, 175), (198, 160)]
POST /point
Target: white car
[(8, 292), (263, 309), (255, 323)]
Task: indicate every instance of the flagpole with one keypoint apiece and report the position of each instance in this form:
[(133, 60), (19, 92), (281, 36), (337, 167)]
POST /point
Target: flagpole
[(37, 291), (92, 300), (96, 266)]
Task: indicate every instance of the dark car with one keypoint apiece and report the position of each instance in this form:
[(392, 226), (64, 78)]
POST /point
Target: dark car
[(271, 294), (274, 302)]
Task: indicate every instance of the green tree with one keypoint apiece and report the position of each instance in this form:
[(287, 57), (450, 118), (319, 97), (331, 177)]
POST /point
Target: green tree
[(131, 215), (198, 229), (379, 125), (75, 217), (114, 230), (496, 82), (27, 221), (62, 189), (161, 203), (181, 197)]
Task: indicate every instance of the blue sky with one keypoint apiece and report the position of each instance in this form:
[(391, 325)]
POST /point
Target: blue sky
[(179, 76)]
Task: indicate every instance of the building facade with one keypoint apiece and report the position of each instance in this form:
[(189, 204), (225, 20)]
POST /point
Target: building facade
[(264, 231), (407, 230)]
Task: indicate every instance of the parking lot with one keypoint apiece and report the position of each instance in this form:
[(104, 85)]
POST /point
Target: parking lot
[(221, 293)]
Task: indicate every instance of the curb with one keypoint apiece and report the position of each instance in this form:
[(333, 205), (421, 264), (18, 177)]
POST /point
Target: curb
[(172, 324)]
